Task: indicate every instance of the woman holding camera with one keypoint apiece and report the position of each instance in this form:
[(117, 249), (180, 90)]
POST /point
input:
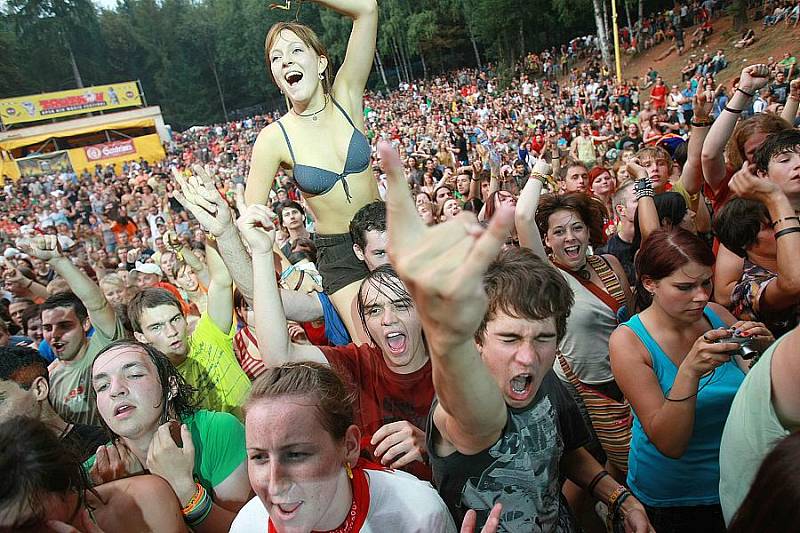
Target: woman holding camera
[(677, 366)]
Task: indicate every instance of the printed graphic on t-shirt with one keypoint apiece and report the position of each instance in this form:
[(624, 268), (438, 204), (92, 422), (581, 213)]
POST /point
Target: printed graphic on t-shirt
[(524, 474)]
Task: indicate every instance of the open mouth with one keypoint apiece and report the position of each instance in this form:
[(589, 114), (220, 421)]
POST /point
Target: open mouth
[(520, 386), (293, 78), (572, 252), (287, 511), (58, 346), (123, 409), (396, 342)]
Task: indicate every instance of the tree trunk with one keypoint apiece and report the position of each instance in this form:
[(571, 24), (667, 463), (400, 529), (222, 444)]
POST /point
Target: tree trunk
[(397, 64), (424, 66), (382, 72), (606, 25), (75, 71), (219, 88), (628, 15), (602, 36), (407, 58), (739, 11), (474, 45), (522, 49)]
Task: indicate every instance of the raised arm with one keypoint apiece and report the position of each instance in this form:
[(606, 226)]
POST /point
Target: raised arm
[(727, 273), (443, 267), (784, 291), (525, 211), (199, 196), (646, 212), (354, 72), (274, 342), (692, 175), (752, 79), (100, 312), (789, 113), (220, 290)]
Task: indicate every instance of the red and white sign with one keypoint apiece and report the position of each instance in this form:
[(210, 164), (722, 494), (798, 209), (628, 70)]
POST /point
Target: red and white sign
[(110, 150)]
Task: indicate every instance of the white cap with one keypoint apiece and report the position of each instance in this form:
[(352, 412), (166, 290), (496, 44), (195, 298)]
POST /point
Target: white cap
[(148, 268)]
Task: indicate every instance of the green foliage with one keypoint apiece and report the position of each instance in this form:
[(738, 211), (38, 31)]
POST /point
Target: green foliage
[(191, 55)]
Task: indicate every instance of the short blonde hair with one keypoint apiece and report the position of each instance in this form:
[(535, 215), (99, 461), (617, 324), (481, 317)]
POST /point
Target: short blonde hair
[(309, 38)]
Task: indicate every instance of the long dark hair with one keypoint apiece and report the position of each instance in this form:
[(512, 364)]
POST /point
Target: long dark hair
[(771, 504), (664, 252), (34, 463), (182, 400)]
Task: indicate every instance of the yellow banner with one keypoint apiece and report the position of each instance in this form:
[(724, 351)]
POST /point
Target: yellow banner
[(44, 106), (117, 152)]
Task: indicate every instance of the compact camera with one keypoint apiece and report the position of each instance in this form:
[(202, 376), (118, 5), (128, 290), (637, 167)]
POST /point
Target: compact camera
[(747, 349)]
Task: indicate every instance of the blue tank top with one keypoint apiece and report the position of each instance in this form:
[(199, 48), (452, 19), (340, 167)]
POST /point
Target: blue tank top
[(315, 180), (660, 481)]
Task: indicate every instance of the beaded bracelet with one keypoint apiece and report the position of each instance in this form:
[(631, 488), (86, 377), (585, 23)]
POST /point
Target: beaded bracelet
[(786, 231)]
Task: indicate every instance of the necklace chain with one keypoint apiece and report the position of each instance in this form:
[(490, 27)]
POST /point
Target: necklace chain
[(315, 113)]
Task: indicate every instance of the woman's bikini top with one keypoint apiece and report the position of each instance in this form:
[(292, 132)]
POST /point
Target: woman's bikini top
[(315, 180)]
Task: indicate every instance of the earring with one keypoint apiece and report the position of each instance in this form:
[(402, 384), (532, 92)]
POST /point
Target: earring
[(322, 75), (348, 470)]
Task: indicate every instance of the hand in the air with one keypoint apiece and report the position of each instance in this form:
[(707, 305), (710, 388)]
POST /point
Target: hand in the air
[(398, 444), (44, 247), (443, 265), (257, 229), (199, 195)]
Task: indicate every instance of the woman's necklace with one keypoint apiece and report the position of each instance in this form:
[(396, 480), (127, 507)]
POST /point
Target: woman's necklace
[(584, 273), (315, 113)]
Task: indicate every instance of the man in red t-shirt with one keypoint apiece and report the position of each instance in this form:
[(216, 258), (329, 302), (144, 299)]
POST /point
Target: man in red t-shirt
[(392, 376)]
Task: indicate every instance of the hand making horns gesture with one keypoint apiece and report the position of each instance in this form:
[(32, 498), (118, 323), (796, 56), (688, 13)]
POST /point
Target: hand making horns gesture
[(442, 266)]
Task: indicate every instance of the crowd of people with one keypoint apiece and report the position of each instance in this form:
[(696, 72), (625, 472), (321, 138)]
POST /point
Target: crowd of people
[(459, 305)]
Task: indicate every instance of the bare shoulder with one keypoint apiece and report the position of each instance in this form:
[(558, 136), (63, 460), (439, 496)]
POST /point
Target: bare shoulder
[(722, 313), (625, 345), (138, 503)]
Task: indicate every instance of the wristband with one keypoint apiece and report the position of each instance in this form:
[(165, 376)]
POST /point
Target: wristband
[(785, 219), (642, 188), (30, 284), (540, 177), (703, 124), (786, 231), (593, 484), (745, 92), (734, 111), (612, 500)]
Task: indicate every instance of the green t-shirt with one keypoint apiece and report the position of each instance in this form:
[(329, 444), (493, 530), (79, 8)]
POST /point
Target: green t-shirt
[(219, 446), (211, 367), (71, 382), (750, 433)]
